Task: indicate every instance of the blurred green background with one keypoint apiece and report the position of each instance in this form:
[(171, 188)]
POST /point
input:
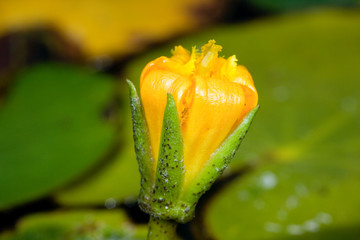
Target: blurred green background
[(67, 166)]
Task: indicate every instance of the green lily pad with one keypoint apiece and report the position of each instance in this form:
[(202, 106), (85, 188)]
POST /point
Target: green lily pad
[(305, 138), (77, 225), (52, 129), (117, 179)]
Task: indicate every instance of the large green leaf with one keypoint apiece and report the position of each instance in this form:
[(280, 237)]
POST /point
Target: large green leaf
[(77, 225), (52, 128), (117, 179), (305, 138)]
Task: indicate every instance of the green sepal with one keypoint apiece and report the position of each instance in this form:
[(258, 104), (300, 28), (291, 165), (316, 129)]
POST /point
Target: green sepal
[(217, 163), (170, 166), (142, 145)]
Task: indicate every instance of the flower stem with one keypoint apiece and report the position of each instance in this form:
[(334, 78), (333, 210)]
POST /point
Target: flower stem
[(161, 229)]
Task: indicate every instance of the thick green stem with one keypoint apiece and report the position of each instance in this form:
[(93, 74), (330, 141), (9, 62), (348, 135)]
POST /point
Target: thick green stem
[(161, 229)]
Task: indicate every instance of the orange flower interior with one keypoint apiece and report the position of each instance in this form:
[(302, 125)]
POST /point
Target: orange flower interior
[(212, 95)]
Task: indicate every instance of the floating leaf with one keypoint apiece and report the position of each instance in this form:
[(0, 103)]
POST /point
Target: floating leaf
[(77, 225), (52, 129), (117, 179)]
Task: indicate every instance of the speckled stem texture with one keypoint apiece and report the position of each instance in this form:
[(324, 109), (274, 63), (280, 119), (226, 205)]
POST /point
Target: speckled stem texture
[(161, 229)]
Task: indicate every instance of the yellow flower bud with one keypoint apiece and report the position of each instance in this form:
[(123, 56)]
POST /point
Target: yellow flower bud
[(212, 96)]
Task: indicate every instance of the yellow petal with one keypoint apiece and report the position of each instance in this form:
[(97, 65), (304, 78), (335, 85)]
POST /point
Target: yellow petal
[(180, 54), (215, 110), (212, 96), (155, 83), (244, 78)]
